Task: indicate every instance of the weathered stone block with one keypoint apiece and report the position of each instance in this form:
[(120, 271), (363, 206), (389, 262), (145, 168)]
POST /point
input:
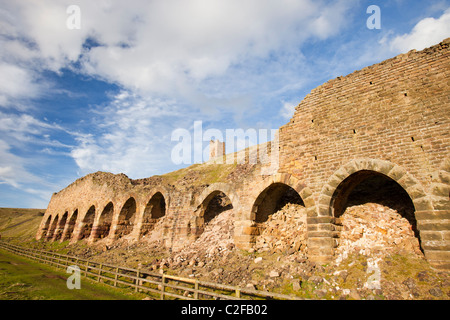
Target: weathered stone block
[(435, 225), (422, 204)]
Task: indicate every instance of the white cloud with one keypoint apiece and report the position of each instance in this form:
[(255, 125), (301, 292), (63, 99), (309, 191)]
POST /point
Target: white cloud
[(24, 128), (178, 44), (25, 133), (16, 85), (425, 33), (168, 47), (205, 55), (288, 109), (13, 170), (131, 138)]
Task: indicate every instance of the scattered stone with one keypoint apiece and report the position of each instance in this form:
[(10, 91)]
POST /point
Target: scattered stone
[(436, 291), (346, 292), (316, 279), (250, 286), (343, 274), (274, 274), (320, 293), (296, 285), (423, 276), (284, 231), (374, 230), (218, 271), (365, 231), (354, 294), (410, 283)]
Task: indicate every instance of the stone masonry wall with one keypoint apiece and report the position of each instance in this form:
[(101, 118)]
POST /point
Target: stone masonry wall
[(392, 118), (388, 120)]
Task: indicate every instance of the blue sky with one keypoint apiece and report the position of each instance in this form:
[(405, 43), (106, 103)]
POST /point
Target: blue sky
[(108, 95)]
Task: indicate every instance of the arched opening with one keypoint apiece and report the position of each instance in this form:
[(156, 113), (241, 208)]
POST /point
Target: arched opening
[(379, 202), (154, 210), (87, 223), (125, 223), (274, 198), (71, 226), (280, 220), (52, 228), (214, 204), (104, 223), (60, 227), (46, 227), (216, 217)]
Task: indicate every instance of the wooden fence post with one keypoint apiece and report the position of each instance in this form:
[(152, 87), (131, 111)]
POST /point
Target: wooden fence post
[(116, 276), (86, 268), (196, 289), (137, 280), (99, 272), (163, 281)]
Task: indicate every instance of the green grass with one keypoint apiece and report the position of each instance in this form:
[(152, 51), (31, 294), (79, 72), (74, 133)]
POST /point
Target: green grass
[(24, 279), (201, 174), (21, 224)]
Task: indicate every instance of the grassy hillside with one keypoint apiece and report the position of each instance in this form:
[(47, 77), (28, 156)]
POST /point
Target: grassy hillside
[(20, 223), (22, 279)]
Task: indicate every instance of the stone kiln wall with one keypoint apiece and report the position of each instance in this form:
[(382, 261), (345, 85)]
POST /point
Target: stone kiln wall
[(392, 118)]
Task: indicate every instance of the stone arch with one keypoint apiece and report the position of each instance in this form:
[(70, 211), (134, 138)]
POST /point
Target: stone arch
[(247, 228), (70, 226), (103, 226), (272, 199), (46, 227), (155, 208), (440, 187), (60, 227), (398, 174), (213, 205), (126, 218), (367, 186), (279, 183), (434, 225), (322, 232), (87, 223), (221, 187), (214, 199), (52, 228)]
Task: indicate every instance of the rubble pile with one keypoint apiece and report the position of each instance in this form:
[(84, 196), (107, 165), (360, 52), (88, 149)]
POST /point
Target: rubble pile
[(375, 230), (284, 231), (216, 241)]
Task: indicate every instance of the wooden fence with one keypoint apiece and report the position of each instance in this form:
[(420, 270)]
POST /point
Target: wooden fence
[(156, 285)]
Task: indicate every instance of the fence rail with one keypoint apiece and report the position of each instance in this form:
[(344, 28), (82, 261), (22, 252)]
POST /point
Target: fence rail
[(156, 285)]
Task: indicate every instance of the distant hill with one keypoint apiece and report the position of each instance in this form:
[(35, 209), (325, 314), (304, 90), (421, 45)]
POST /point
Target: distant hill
[(20, 223)]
